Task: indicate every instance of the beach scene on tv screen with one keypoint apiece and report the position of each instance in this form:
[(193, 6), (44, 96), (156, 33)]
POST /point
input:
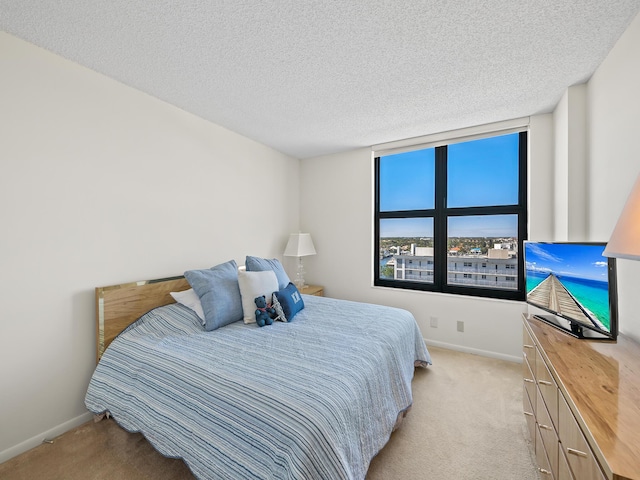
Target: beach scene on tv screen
[(570, 279)]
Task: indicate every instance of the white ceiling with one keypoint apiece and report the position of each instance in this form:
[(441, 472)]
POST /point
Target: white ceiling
[(312, 77)]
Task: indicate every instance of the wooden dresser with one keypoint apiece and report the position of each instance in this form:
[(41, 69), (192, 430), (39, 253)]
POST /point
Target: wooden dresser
[(582, 404)]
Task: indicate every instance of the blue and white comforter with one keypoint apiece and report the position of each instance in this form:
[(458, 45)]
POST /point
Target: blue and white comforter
[(316, 398)]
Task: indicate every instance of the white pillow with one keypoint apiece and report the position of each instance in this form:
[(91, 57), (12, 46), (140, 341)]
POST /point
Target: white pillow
[(252, 285), (190, 299)]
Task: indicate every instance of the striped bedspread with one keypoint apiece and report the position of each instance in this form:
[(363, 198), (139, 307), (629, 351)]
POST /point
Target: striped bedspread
[(316, 398)]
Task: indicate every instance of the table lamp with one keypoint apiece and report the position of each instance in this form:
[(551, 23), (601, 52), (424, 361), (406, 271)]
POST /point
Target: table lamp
[(299, 245)]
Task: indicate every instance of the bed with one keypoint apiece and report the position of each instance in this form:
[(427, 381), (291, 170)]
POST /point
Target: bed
[(314, 398)]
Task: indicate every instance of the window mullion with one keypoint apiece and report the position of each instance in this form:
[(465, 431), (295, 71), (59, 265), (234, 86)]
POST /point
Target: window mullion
[(376, 219), (440, 219), (523, 214)]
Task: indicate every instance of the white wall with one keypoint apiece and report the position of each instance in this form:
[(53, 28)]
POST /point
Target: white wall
[(336, 208), (614, 157), (561, 171), (541, 174), (101, 184), (570, 165)]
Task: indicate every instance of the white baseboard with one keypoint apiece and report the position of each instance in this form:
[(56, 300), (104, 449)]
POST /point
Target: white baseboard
[(49, 434), (475, 351)]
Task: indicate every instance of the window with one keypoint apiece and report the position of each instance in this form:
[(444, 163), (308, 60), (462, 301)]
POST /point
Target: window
[(453, 209)]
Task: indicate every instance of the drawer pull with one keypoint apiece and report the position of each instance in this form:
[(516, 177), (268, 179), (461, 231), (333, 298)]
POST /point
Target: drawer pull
[(578, 453), (528, 346), (546, 472), (529, 414), (529, 380), (546, 427), (544, 382)]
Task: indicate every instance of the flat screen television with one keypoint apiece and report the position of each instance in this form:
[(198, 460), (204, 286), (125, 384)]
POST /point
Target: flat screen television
[(575, 284)]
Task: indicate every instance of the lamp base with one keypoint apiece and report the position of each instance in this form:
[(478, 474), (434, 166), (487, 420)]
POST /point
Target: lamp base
[(299, 281)]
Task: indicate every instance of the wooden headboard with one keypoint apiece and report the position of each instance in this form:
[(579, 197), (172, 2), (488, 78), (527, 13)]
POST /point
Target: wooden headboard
[(118, 306)]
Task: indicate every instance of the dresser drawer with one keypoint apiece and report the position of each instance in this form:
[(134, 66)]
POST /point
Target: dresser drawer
[(528, 349), (548, 434), (548, 388), (530, 385), (581, 459), (541, 458), (529, 415), (564, 472)]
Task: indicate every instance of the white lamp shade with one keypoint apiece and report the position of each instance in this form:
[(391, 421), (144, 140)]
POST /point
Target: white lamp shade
[(299, 245), (625, 239)]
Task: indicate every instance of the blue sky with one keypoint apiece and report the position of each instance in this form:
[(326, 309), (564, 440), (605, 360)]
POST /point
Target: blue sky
[(476, 226), (480, 172), (584, 261)]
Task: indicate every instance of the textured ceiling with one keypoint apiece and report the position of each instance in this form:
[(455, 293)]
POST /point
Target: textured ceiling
[(315, 77)]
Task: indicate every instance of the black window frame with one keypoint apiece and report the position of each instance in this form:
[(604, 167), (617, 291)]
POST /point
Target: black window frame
[(441, 213)]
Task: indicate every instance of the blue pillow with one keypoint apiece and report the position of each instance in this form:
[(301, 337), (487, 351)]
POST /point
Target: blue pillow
[(257, 264), (219, 294), (290, 300)]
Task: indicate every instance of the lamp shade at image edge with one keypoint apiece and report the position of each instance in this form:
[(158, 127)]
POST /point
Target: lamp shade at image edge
[(625, 239)]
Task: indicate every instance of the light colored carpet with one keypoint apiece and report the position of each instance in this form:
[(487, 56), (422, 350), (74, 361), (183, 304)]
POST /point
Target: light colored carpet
[(466, 424)]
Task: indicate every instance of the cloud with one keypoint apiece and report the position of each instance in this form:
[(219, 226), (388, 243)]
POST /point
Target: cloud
[(543, 253), (532, 267)]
